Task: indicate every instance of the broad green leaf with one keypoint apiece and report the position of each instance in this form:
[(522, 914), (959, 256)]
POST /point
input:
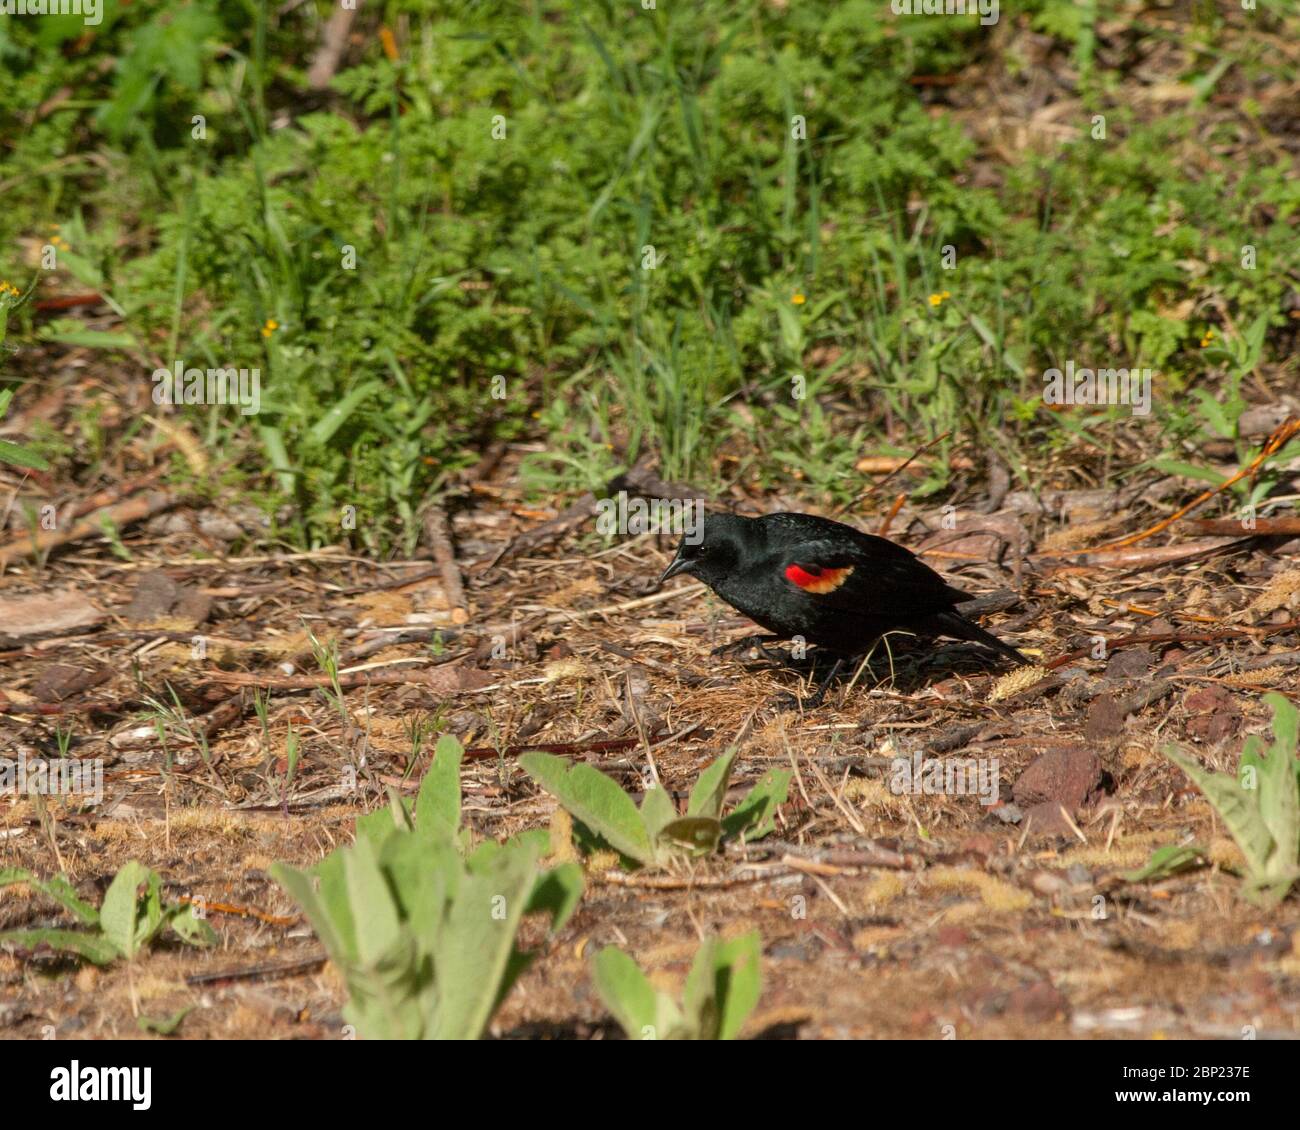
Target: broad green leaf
[(277, 455), (1286, 725), (557, 892), (698, 835), (423, 879), (193, 930), (1279, 797), (792, 334), (755, 815), (626, 991), (93, 947), (378, 825), (721, 990), (372, 904), (58, 889), (90, 339), (739, 978), (594, 799), (700, 1001), (711, 789), (118, 914), (1236, 806), (301, 886), (1166, 861), (1261, 808), (536, 840), (437, 808), (149, 911), (475, 949), (657, 809), (165, 1025)]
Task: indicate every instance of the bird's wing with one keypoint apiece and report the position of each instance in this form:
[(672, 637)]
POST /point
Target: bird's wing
[(875, 574)]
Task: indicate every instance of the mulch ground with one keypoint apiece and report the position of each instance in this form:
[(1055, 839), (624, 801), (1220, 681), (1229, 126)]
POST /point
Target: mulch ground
[(882, 913)]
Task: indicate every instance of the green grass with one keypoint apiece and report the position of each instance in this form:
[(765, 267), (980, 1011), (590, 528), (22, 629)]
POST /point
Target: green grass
[(525, 256)]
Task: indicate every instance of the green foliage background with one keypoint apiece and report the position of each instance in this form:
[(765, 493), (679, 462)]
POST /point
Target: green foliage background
[(626, 128)]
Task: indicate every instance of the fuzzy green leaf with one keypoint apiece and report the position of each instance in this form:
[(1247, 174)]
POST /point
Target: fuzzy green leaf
[(58, 889), (437, 808), (738, 976), (474, 952), (755, 815), (711, 789), (118, 916), (557, 892), (595, 799), (626, 991), (698, 835), (657, 809), (1261, 808), (193, 930), (94, 948), (1166, 861)]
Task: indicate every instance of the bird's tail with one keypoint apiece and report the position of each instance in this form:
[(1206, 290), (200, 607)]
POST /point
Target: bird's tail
[(956, 625)]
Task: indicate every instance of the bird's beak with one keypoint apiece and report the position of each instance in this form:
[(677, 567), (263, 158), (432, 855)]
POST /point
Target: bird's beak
[(680, 565)]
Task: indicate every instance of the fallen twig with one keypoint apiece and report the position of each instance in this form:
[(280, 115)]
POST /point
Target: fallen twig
[(1175, 637), (441, 680), (438, 537), (122, 514), (238, 911), (1282, 434), (1257, 527), (263, 970)]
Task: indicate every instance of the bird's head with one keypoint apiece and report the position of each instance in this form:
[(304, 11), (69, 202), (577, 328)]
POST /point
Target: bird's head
[(713, 552)]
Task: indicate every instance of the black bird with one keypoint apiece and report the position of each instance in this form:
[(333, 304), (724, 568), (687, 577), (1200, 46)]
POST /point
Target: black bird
[(800, 575)]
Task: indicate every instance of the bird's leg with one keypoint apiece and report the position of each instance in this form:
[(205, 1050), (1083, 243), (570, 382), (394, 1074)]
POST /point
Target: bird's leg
[(816, 699), (786, 701)]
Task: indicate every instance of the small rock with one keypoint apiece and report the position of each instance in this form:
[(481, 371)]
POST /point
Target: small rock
[(1105, 719), (1129, 663), (1046, 819), (45, 615), (1067, 776), (155, 593), (62, 680), (157, 597), (1214, 712)]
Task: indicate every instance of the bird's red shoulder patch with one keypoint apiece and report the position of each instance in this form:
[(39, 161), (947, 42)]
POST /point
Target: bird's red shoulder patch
[(815, 579)]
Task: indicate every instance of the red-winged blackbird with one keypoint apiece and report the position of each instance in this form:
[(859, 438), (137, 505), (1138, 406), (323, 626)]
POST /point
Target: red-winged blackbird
[(800, 575)]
